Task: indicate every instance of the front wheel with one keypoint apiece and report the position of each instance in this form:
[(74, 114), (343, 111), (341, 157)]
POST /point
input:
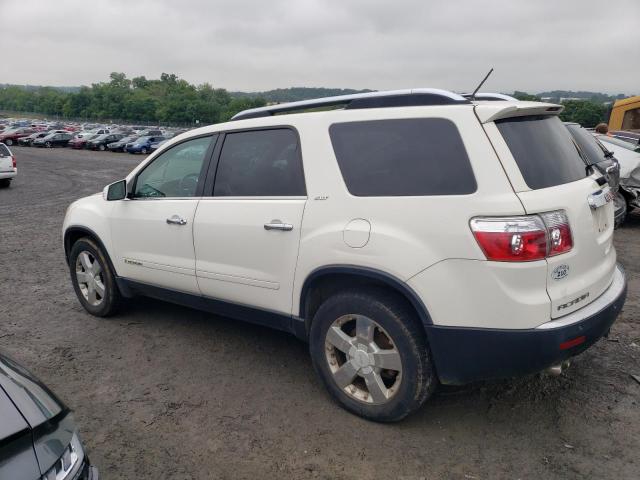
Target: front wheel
[(48, 144), (143, 151), (8, 142), (102, 148), (371, 353), (92, 278)]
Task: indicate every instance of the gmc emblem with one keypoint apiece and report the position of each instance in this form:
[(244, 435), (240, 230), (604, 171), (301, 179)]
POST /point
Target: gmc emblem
[(573, 302)]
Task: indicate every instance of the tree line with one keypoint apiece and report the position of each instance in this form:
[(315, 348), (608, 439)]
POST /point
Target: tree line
[(166, 100), (172, 100)]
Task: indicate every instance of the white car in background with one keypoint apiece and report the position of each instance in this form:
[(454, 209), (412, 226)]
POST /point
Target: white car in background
[(629, 159), (8, 169)]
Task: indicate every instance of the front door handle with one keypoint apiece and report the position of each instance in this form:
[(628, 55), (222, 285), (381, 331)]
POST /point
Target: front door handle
[(176, 220), (278, 225)]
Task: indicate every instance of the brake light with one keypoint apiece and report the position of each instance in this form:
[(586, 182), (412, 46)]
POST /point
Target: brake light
[(560, 239), (13, 161), (523, 238)]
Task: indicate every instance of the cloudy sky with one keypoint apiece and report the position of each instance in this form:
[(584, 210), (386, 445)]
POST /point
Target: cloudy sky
[(262, 44)]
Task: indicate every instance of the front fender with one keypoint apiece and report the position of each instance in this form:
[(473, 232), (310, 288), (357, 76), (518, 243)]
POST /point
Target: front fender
[(90, 216)]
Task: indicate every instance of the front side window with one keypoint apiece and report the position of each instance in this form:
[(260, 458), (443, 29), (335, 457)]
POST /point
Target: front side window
[(403, 157), (262, 163), (175, 172)]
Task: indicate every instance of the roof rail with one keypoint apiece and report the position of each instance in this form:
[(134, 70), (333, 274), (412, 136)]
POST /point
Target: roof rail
[(391, 98), (489, 96)]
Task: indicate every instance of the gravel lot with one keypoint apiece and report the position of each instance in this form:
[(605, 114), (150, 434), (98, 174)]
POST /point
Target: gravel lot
[(162, 391)]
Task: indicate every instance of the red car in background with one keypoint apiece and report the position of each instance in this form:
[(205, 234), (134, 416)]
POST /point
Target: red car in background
[(80, 141), (11, 136)]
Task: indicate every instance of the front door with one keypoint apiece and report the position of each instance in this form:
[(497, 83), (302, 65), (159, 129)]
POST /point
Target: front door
[(152, 232), (247, 233)]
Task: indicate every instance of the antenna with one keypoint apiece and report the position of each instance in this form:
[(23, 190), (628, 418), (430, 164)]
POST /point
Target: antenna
[(473, 95)]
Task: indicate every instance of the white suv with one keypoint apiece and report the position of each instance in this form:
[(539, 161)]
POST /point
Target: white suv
[(412, 237), (8, 169)]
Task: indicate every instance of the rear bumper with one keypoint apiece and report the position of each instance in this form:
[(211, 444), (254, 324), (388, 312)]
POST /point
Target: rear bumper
[(10, 174), (464, 355)]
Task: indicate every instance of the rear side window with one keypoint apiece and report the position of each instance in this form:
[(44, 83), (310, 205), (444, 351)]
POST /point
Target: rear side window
[(405, 157), (265, 163), (543, 149)]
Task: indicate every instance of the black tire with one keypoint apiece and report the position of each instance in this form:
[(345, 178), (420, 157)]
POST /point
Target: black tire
[(102, 148), (47, 144), (399, 322), (8, 142), (5, 183), (621, 209), (143, 151), (112, 300)]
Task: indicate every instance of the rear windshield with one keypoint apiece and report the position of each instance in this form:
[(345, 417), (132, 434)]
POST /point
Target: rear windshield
[(543, 150), (4, 151)]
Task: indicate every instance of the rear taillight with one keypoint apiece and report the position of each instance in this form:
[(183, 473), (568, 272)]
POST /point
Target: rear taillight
[(559, 232), (523, 238), (13, 161)]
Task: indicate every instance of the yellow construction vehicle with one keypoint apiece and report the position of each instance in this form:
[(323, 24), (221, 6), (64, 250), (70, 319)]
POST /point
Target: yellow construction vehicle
[(625, 114)]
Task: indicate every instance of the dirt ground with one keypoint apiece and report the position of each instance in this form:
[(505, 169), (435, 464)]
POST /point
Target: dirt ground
[(165, 392)]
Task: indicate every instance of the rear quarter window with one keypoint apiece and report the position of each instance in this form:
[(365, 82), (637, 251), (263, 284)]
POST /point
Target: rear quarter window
[(403, 157), (543, 149)]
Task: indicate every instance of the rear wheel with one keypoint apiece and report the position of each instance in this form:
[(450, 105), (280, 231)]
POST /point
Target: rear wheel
[(93, 280), (5, 183), (371, 353), (47, 144), (143, 151), (8, 142)]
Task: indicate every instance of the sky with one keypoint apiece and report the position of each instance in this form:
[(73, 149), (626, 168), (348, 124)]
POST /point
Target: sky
[(254, 45)]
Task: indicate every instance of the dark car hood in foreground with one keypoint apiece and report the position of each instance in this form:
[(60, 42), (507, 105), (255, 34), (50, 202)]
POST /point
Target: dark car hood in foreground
[(29, 412)]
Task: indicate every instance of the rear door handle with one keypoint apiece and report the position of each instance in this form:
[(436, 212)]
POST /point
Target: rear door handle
[(278, 225), (176, 220)]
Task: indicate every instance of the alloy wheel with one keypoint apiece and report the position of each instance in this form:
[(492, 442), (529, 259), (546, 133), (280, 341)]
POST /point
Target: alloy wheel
[(89, 275), (363, 359)]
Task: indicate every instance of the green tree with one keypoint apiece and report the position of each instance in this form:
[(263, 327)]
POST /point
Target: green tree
[(584, 112)]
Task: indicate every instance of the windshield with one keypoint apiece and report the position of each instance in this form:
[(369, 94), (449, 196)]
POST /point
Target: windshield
[(34, 400), (143, 139), (543, 149)]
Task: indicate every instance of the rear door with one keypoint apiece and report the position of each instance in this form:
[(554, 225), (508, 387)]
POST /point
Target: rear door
[(247, 233), (549, 175)]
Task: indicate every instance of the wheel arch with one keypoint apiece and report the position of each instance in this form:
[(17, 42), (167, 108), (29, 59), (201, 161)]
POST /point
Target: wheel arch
[(324, 281), (74, 233)]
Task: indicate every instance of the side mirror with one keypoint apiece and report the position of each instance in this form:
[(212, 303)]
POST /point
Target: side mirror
[(115, 191)]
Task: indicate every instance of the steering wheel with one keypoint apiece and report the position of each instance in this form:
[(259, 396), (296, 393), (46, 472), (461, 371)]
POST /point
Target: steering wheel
[(189, 183)]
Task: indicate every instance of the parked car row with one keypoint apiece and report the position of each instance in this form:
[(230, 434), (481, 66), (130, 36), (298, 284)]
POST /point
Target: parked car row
[(131, 139)]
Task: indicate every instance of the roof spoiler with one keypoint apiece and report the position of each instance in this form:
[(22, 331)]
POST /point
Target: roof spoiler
[(490, 112)]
